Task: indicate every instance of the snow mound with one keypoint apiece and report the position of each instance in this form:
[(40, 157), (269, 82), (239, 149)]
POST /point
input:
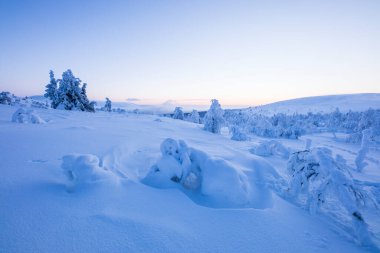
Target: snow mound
[(271, 148), (26, 116), (207, 180), (82, 169)]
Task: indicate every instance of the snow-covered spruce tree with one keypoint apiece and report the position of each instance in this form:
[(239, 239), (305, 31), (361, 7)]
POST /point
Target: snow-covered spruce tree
[(194, 117), (214, 120), (51, 90), (86, 105), (108, 105), (71, 96), (324, 184), (178, 113)]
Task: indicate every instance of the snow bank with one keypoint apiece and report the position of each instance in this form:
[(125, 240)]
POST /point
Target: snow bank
[(26, 116), (193, 170), (82, 169)]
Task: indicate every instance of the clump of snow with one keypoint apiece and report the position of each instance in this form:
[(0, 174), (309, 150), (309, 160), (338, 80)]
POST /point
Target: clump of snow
[(270, 148), (190, 169), (81, 169), (27, 116), (324, 184), (238, 134)]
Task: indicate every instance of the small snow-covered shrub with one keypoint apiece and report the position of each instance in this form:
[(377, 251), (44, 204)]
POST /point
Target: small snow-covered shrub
[(178, 113), (194, 117), (269, 148), (213, 119), (324, 184), (237, 134), (26, 116)]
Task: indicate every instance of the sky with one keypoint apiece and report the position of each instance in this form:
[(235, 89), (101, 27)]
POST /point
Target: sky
[(240, 52)]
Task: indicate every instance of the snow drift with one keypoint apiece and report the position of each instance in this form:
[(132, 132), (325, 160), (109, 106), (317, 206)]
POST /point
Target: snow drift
[(203, 177)]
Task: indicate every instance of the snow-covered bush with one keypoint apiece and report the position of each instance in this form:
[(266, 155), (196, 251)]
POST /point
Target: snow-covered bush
[(213, 119), (178, 113), (26, 116), (269, 148), (192, 170), (194, 117), (6, 98), (324, 184), (83, 169), (238, 134)]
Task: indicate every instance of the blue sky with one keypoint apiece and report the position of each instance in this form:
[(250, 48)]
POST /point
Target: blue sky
[(241, 52)]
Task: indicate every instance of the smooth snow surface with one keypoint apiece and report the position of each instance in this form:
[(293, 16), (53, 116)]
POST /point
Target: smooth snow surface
[(110, 182)]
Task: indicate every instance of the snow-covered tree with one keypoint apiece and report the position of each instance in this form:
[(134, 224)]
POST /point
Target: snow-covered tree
[(324, 184), (6, 98), (108, 105), (335, 121), (70, 94), (86, 105), (194, 117), (51, 90), (214, 119), (364, 147), (178, 113)]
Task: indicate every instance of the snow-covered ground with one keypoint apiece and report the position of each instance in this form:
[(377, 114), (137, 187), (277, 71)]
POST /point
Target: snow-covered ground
[(110, 182)]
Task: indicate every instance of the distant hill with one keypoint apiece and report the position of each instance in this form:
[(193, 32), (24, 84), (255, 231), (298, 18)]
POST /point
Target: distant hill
[(354, 102)]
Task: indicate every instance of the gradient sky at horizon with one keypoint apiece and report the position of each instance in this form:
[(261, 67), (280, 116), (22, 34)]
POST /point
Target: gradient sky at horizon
[(240, 52)]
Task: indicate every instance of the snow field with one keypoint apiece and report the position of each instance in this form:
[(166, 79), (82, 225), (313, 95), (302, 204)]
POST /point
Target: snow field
[(82, 183)]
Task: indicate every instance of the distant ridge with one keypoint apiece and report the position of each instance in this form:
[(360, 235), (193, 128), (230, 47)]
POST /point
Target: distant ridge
[(345, 102)]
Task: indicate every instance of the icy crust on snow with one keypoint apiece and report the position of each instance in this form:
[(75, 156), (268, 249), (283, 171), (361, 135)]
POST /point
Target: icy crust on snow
[(203, 177)]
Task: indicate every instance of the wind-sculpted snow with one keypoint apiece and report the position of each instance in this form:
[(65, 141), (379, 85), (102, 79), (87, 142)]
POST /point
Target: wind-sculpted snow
[(90, 183), (84, 169), (203, 177), (26, 116)]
